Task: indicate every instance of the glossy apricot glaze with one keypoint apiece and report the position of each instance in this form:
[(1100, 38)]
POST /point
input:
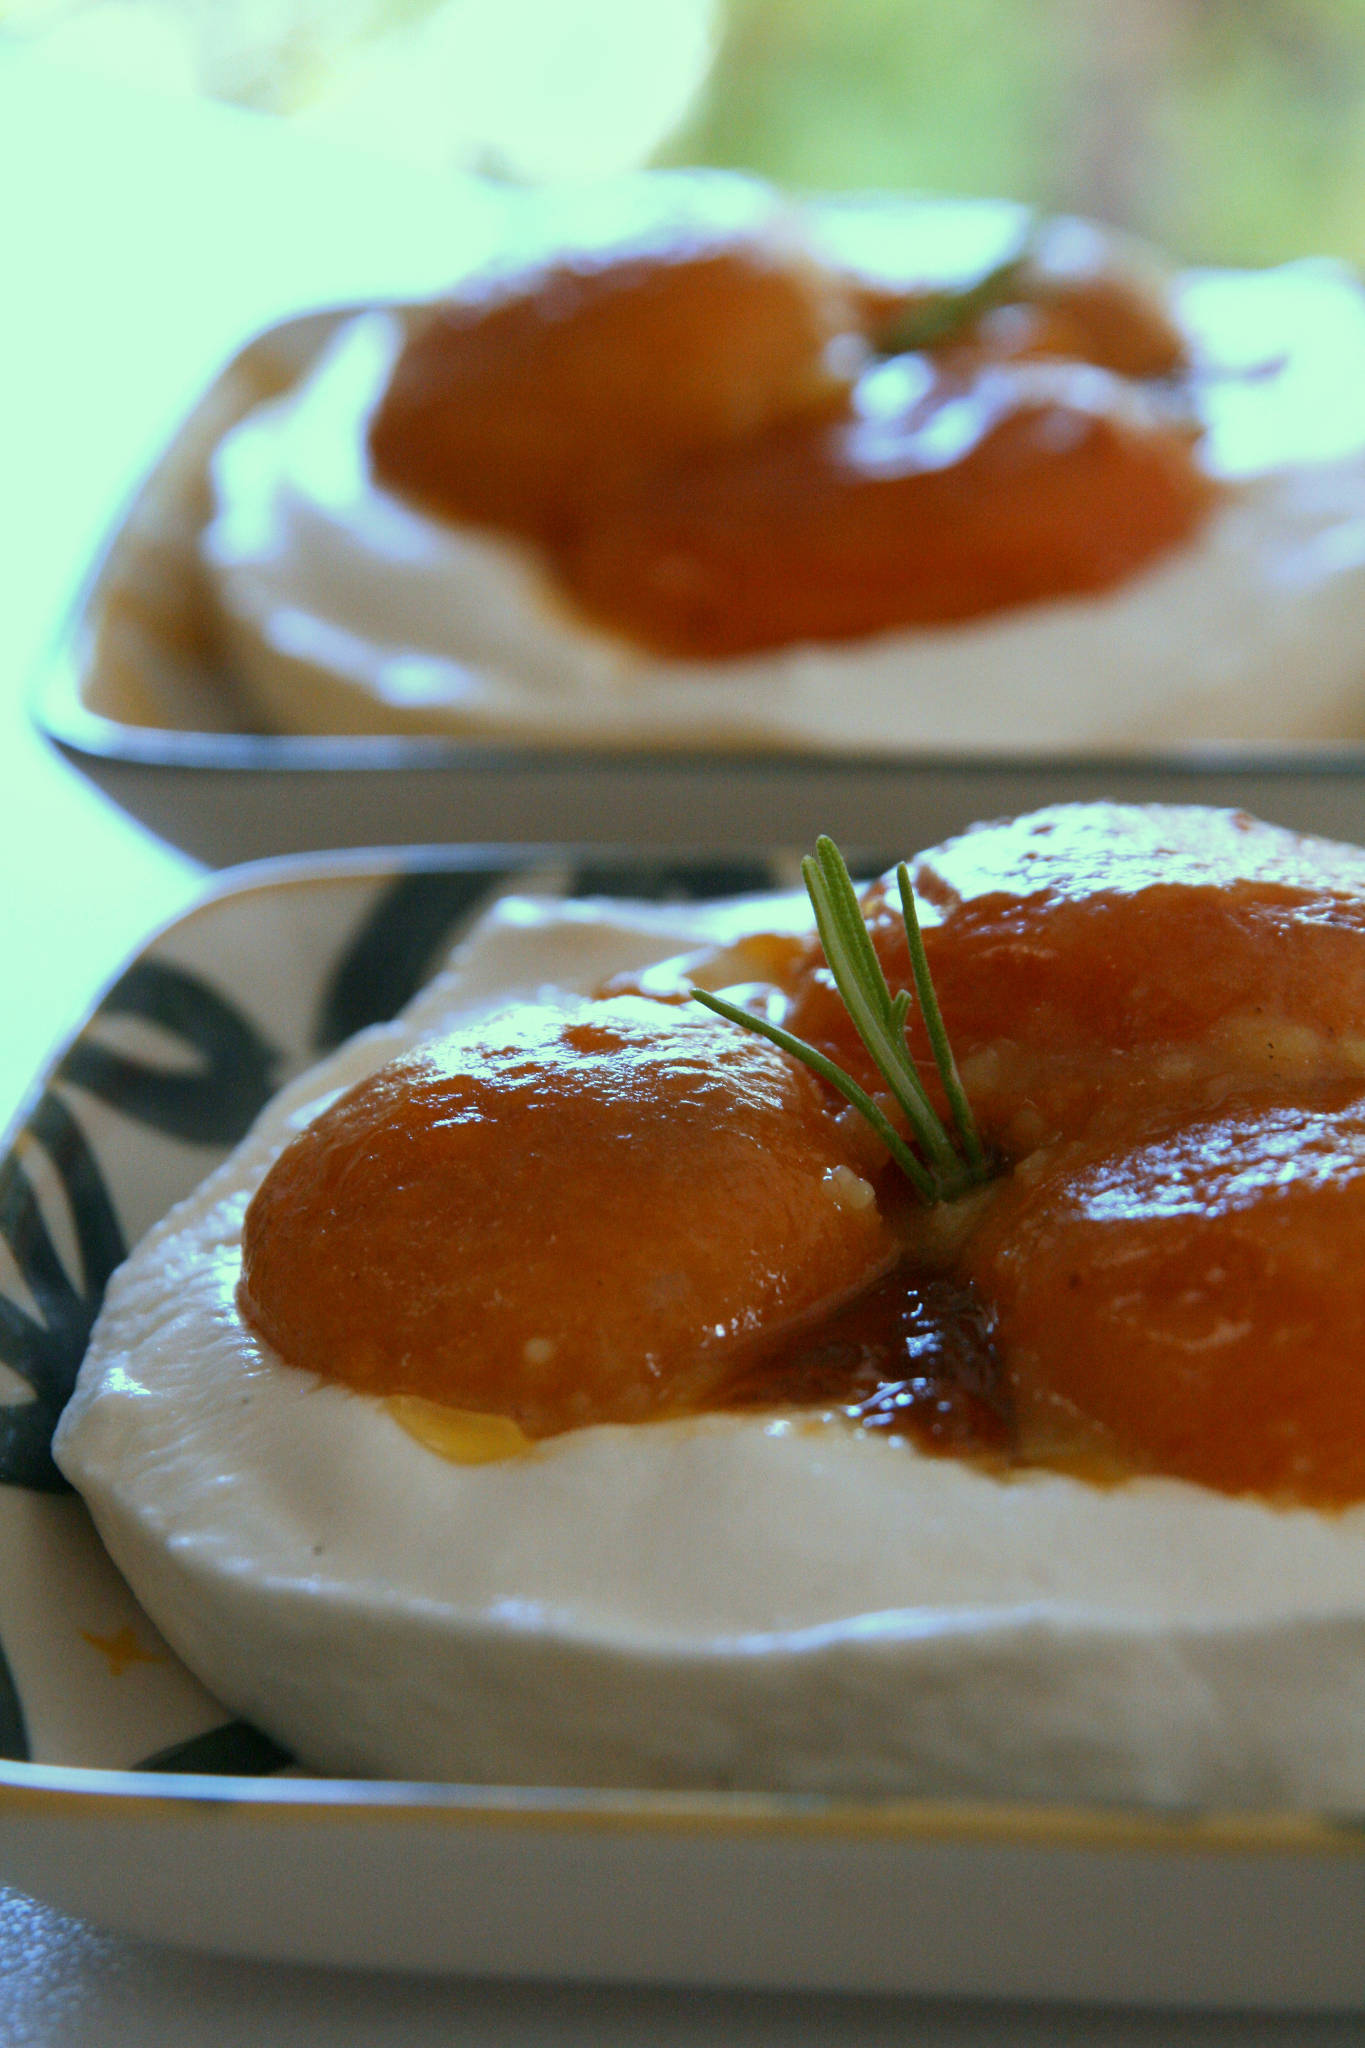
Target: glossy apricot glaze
[(560, 1220), (620, 1216), (713, 459), (1094, 961)]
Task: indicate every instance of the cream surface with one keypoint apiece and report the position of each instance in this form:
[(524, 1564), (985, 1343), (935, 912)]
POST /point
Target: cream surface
[(347, 610), (756, 1601)]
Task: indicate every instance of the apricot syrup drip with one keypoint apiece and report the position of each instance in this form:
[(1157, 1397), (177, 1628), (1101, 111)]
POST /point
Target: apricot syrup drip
[(913, 1356)]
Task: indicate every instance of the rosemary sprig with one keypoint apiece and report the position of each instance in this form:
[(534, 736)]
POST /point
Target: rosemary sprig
[(939, 1171), (942, 316)]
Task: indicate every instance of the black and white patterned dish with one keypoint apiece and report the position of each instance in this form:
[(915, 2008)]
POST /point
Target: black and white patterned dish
[(129, 1796)]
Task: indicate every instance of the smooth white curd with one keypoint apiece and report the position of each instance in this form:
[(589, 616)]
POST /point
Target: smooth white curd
[(758, 1601), (348, 610)]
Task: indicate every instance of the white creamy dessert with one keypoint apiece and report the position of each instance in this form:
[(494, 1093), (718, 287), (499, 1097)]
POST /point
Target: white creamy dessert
[(346, 608), (751, 1600)]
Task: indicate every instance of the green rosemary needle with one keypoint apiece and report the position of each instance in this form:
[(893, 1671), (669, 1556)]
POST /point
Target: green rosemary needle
[(940, 1170), (942, 316)]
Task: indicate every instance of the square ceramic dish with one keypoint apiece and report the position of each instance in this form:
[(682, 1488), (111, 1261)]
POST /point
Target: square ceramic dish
[(127, 1796), (137, 696)]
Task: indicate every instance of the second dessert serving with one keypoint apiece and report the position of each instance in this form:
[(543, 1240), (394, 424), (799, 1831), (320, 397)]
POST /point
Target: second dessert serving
[(851, 480)]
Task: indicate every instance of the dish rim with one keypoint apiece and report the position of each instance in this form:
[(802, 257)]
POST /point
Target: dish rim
[(77, 1791)]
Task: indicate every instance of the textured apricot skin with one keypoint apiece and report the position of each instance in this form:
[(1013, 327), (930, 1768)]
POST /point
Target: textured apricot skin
[(526, 407), (1096, 961), (1193, 1304), (563, 1220)]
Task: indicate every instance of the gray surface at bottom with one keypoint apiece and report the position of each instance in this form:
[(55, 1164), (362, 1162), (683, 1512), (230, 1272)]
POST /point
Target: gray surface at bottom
[(64, 1982)]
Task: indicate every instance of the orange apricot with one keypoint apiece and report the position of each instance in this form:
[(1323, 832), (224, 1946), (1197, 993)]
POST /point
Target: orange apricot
[(939, 494), (525, 405), (1091, 959), (1193, 1305), (564, 1219)]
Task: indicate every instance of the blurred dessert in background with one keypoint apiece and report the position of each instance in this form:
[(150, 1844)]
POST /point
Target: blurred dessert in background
[(871, 479)]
